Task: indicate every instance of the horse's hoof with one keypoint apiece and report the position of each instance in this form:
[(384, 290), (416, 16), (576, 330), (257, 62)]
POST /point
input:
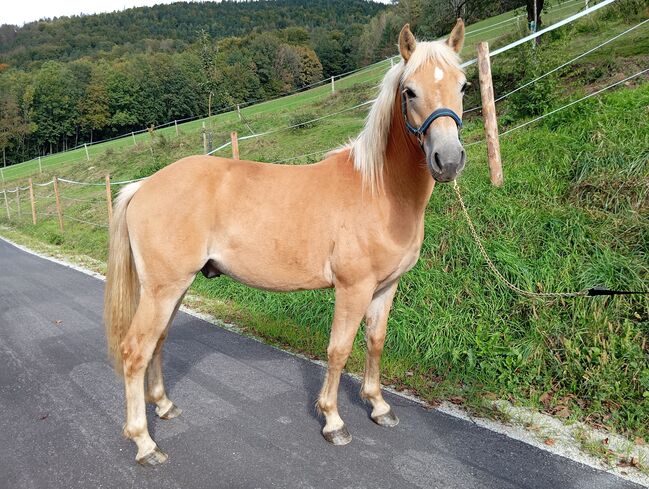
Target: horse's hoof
[(338, 437), (156, 457), (388, 419), (173, 412)]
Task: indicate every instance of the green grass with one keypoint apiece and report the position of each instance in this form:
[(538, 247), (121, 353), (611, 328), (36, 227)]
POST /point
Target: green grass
[(573, 213)]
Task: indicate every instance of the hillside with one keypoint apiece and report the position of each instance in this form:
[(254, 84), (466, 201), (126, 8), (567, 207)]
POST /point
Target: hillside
[(574, 212), (171, 27)]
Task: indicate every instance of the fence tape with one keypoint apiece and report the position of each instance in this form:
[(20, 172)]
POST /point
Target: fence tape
[(74, 182), (43, 184)]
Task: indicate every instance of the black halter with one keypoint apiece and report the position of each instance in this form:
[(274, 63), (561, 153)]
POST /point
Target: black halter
[(420, 131)]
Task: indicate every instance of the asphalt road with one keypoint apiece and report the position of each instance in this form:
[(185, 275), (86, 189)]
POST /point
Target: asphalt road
[(248, 419)]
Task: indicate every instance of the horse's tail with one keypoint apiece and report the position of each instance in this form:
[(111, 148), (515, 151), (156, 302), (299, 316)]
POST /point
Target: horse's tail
[(122, 292)]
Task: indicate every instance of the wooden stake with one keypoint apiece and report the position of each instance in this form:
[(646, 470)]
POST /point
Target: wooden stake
[(239, 111), (235, 145), (204, 139), (4, 191), (59, 213), (176, 124), (18, 201), (109, 200), (32, 200), (333, 85), (133, 136), (489, 115), (87, 154)]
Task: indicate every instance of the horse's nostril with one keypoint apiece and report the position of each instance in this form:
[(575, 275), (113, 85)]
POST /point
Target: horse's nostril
[(462, 158), (437, 162)]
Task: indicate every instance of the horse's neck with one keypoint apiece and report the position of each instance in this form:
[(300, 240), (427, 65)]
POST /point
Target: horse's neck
[(406, 176)]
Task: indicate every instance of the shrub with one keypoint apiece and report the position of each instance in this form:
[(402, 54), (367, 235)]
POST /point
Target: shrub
[(302, 121), (54, 238), (150, 169), (538, 97)]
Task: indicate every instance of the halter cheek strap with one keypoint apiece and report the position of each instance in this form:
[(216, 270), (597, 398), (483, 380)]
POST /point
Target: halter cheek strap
[(420, 131)]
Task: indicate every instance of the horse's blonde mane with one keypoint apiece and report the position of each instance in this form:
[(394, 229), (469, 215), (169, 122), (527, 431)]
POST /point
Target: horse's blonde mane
[(368, 149)]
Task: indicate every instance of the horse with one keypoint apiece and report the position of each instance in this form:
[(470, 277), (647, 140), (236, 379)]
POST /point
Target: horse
[(353, 221)]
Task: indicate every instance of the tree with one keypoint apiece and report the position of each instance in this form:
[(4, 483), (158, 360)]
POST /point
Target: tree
[(310, 66), (55, 104), (287, 66), (94, 114), (329, 49)]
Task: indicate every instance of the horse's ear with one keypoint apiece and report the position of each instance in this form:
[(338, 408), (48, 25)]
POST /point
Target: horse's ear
[(456, 39), (407, 42)]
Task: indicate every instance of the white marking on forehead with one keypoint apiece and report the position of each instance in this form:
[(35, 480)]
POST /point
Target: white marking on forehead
[(439, 73)]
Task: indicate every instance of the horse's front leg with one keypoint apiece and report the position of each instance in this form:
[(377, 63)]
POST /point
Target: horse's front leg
[(376, 321), (351, 303)]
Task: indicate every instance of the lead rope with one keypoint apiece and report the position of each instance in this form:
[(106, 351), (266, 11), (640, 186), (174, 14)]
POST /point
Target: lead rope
[(527, 293)]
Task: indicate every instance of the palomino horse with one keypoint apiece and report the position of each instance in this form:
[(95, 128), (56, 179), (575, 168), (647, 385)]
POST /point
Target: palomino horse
[(354, 221)]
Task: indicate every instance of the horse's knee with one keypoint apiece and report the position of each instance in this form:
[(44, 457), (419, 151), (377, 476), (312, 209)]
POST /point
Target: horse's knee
[(375, 343), (337, 355)]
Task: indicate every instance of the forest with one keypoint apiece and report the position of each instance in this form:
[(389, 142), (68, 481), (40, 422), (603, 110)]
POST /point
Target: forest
[(70, 80)]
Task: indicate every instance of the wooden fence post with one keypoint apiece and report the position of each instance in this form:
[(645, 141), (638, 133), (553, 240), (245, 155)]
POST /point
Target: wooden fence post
[(58, 203), (32, 200), (176, 124), (204, 139), (133, 136), (333, 85), (109, 200), (4, 191), (87, 154), (235, 145), (489, 115), (239, 111)]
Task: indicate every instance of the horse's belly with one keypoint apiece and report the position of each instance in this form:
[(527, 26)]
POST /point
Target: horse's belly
[(271, 272)]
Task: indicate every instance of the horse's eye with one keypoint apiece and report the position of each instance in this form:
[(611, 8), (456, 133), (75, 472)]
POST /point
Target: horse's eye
[(410, 93), (464, 87)]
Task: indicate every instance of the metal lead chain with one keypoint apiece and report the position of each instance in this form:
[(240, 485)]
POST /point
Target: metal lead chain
[(527, 293)]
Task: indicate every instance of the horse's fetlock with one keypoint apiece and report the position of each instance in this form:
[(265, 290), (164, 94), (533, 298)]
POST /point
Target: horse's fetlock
[(155, 393), (325, 406)]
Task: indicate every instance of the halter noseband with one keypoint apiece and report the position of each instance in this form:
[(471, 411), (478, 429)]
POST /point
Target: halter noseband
[(420, 131)]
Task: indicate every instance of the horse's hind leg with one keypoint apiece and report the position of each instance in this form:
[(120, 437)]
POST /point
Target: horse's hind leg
[(155, 391), (351, 304), (157, 304), (376, 321)]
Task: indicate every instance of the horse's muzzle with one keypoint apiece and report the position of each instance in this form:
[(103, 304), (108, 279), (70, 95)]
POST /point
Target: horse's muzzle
[(446, 162)]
